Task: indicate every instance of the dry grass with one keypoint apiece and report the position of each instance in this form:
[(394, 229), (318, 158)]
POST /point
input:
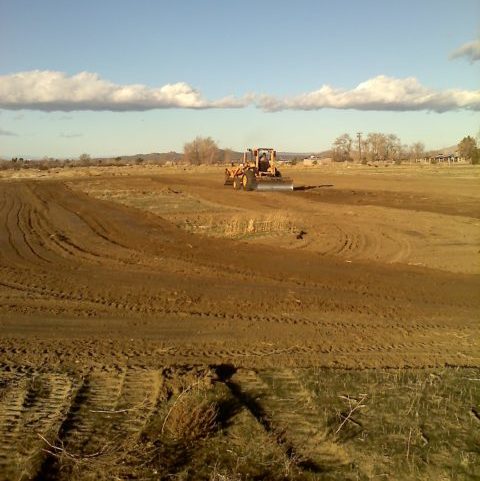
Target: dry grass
[(394, 424), (191, 419), (417, 424), (243, 225)]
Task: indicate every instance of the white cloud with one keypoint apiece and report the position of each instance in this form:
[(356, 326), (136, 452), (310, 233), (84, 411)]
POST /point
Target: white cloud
[(470, 50), (56, 91), (378, 93)]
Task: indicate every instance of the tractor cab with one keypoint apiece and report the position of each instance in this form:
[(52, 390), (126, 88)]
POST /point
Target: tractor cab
[(262, 158)]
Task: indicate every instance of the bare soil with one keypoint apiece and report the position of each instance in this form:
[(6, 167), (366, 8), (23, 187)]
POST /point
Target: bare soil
[(117, 284)]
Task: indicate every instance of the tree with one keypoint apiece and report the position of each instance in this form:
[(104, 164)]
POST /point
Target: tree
[(467, 148), (342, 147), (378, 146), (375, 146), (84, 159), (417, 150), (202, 150), (393, 147)]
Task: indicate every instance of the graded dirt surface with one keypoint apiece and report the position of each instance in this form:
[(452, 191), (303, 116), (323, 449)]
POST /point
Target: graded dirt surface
[(112, 279), (138, 269)]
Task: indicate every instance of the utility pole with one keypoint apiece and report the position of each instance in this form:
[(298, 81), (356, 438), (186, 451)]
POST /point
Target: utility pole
[(359, 137)]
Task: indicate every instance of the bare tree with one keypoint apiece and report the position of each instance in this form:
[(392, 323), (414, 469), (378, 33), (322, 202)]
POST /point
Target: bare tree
[(342, 147), (378, 146), (202, 150), (417, 151), (393, 147), (84, 159)]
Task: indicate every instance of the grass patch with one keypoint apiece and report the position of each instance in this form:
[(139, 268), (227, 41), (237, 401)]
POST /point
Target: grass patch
[(415, 424), (399, 424), (242, 225)]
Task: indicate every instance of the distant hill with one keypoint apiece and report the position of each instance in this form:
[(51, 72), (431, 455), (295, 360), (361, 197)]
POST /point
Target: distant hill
[(303, 155), (446, 150), (154, 157)]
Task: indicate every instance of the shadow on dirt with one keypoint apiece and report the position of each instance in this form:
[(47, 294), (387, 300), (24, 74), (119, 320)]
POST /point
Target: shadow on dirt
[(309, 187)]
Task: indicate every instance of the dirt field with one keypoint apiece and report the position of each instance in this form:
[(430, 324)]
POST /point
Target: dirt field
[(121, 288)]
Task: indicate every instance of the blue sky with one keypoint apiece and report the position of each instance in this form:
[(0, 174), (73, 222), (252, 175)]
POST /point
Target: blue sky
[(244, 73)]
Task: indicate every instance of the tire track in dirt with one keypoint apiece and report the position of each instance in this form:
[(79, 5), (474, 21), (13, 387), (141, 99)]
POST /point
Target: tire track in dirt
[(109, 412), (33, 408), (38, 233), (60, 243), (11, 410), (171, 283), (31, 229), (9, 212), (26, 231), (270, 395), (141, 389), (89, 414)]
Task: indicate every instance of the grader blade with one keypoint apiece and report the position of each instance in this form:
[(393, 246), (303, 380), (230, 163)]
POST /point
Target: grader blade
[(278, 184)]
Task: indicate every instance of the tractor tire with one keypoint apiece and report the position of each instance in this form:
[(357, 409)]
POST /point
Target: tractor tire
[(248, 180), (237, 183)]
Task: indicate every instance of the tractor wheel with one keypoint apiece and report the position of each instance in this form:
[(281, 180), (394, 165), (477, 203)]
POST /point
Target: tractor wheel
[(248, 180), (237, 182)]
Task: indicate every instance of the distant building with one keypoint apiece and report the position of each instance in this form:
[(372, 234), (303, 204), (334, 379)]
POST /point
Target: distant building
[(315, 160), (451, 157)]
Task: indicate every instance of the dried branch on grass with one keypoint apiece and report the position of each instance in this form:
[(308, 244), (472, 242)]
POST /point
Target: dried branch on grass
[(354, 405), (58, 451), (408, 443), (183, 393), (216, 476)]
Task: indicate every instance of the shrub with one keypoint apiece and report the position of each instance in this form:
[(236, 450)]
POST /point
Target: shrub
[(190, 419)]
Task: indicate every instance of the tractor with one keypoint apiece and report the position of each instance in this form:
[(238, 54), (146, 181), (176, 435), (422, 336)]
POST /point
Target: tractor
[(258, 171)]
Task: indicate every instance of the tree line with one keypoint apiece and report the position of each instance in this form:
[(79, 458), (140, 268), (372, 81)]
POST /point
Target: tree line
[(374, 146), (377, 146)]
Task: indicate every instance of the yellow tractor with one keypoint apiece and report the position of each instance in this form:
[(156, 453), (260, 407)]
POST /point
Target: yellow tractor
[(258, 171)]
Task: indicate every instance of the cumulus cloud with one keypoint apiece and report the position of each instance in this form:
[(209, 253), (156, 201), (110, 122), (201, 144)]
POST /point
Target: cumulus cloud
[(378, 93), (7, 133), (56, 91), (470, 50)]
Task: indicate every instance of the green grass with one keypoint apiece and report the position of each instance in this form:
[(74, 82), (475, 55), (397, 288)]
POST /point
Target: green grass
[(416, 424)]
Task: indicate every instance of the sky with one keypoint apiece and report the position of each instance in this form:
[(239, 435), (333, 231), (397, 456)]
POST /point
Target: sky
[(119, 77)]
